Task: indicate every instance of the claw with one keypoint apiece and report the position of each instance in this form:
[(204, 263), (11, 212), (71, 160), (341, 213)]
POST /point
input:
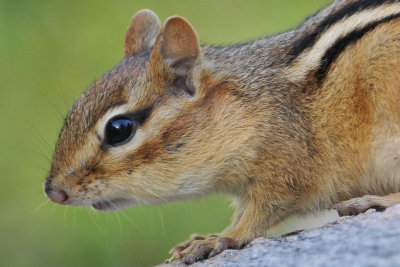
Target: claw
[(200, 248), (186, 244), (225, 243), (359, 205)]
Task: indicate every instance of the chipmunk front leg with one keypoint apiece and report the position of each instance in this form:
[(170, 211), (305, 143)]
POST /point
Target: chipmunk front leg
[(359, 205), (251, 221)]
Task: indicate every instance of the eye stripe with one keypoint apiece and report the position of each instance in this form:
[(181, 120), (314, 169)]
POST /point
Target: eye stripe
[(140, 116)]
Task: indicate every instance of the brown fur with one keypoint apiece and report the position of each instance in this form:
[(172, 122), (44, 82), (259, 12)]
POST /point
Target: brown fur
[(254, 125)]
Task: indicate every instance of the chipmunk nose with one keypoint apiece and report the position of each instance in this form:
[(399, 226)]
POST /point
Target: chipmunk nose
[(58, 196)]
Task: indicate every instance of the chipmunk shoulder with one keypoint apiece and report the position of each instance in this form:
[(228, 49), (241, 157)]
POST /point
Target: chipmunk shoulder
[(287, 124)]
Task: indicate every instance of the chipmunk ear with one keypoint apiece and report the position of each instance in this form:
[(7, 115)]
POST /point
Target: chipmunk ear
[(142, 32), (180, 50)]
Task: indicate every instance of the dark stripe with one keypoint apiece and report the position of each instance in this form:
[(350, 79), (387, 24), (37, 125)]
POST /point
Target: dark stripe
[(142, 115), (350, 9), (334, 51)]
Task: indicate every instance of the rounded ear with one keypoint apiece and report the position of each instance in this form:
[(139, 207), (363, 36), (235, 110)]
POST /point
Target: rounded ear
[(180, 46), (142, 32)]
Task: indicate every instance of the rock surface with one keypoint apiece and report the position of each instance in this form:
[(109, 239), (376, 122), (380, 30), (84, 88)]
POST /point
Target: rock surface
[(369, 239)]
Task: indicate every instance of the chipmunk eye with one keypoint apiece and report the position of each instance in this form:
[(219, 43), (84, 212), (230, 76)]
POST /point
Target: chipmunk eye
[(120, 130)]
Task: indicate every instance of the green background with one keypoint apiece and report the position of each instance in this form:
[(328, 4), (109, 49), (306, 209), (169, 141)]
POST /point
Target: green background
[(50, 51)]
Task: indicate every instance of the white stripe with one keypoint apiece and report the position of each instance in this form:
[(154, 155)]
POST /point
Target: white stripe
[(311, 58)]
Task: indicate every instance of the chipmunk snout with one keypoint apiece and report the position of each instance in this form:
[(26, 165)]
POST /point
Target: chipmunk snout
[(58, 196)]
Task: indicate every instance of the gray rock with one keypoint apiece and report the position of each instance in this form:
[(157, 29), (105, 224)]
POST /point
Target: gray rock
[(369, 239)]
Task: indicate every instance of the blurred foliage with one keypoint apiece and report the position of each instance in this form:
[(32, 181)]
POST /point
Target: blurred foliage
[(50, 51)]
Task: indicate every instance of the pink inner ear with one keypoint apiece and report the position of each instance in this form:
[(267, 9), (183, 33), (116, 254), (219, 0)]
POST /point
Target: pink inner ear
[(179, 42), (142, 32)]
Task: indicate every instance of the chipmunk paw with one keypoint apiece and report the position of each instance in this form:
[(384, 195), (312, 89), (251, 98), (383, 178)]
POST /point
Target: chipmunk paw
[(359, 205), (200, 248)]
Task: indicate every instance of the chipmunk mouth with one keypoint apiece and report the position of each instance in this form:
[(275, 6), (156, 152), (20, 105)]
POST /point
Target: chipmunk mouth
[(113, 204)]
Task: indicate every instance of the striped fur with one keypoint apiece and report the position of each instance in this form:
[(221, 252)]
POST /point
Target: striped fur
[(318, 49), (286, 124)]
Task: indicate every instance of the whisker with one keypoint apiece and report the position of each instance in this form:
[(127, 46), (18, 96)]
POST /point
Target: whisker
[(60, 116), (65, 216), (39, 137), (44, 156), (74, 224), (63, 95), (163, 227), (126, 217), (119, 222), (43, 169), (41, 205), (94, 221)]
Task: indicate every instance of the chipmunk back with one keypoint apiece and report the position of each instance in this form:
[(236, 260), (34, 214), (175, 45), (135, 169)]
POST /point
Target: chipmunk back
[(286, 124)]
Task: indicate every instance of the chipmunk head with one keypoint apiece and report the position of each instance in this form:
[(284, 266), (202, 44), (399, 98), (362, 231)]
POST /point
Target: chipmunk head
[(153, 129)]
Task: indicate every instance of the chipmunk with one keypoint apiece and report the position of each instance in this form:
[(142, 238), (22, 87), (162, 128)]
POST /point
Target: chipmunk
[(287, 124)]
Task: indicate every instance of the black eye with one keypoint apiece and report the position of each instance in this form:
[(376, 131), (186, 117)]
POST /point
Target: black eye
[(119, 130)]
